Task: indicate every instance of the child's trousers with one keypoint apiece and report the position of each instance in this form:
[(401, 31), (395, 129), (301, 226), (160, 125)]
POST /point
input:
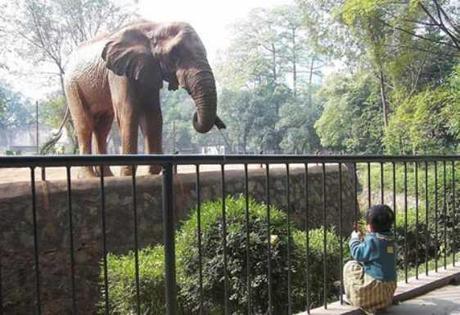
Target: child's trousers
[(364, 291)]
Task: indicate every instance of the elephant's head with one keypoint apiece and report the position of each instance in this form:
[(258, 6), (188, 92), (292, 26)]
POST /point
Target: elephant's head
[(150, 53)]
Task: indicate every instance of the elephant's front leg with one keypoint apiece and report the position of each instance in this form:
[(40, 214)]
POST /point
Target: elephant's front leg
[(129, 124), (152, 128)]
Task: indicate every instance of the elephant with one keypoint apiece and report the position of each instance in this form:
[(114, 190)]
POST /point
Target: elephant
[(119, 75)]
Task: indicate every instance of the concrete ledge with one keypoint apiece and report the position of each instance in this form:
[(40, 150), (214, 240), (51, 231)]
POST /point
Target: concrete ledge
[(405, 291), (425, 284)]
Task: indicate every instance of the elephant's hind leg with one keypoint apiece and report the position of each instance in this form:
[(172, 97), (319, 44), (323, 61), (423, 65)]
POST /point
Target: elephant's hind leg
[(102, 127), (83, 122)]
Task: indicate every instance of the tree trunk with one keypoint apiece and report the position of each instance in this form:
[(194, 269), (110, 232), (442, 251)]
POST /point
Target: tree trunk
[(383, 98), (275, 75), (294, 63), (310, 82)]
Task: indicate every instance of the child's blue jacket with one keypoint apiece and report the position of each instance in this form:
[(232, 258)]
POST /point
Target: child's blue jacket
[(378, 255)]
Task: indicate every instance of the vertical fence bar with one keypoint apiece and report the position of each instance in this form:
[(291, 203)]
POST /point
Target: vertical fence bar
[(168, 239), (136, 240), (382, 188), (444, 210), (104, 242), (405, 221), (36, 252), (1, 282), (416, 218), (248, 242), (454, 216), (288, 212), (269, 254), (369, 193), (307, 240), (200, 253), (72, 260), (394, 198), (341, 231), (436, 214), (224, 240), (427, 206), (355, 193), (324, 237)]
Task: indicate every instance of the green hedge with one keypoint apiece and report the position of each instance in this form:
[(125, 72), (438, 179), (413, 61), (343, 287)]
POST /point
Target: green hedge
[(122, 285)]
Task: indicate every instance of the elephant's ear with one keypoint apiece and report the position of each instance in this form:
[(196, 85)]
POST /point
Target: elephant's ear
[(130, 54)]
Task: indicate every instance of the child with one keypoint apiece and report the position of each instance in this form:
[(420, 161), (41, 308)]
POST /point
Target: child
[(370, 279)]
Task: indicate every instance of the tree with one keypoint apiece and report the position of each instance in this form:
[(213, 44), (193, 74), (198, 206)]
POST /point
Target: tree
[(297, 120), (14, 113), (350, 120), (177, 110), (270, 47), (46, 32), (398, 41), (427, 122), (328, 35)]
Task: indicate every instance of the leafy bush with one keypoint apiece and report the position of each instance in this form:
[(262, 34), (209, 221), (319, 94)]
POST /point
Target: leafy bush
[(121, 268), (416, 248), (122, 282), (213, 262)]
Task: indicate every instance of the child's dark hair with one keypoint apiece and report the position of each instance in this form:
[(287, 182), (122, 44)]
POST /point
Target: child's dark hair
[(380, 218)]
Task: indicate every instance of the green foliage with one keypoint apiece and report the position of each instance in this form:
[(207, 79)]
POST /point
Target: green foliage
[(213, 268), (121, 268), (178, 111), (426, 122), (270, 71), (14, 109), (251, 117), (351, 120), (52, 111), (408, 55), (297, 119), (122, 282), (435, 224)]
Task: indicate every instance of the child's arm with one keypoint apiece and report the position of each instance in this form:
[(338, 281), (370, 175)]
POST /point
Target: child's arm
[(362, 251)]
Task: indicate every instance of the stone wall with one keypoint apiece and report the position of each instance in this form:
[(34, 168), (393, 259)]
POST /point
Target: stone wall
[(16, 226)]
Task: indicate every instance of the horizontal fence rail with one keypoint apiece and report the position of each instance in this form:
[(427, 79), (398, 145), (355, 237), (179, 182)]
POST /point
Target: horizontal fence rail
[(281, 231)]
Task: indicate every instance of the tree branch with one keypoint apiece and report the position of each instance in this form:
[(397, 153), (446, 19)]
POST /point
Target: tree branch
[(416, 35), (440, 24)]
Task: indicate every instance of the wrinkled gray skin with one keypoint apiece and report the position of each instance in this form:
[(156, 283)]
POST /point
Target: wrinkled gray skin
[(119, 75)]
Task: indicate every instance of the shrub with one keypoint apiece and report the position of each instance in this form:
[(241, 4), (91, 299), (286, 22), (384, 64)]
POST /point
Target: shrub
[(415, 248), (316, 259), (213, 262), (122, 282), (121, 268)]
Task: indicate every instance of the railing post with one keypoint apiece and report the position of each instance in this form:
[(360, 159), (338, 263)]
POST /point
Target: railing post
[(169, 241)]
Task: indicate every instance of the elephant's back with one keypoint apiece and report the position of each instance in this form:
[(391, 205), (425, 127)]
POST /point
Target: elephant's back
[(86, 60), (87, 69)]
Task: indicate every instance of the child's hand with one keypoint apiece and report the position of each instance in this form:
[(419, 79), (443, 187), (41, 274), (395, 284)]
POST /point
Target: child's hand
[(356, 234)]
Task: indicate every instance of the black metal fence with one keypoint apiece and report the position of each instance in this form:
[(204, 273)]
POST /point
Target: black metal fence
[(431, 192)]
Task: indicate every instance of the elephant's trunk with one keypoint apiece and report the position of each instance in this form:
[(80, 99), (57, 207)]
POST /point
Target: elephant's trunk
[(202, 87)]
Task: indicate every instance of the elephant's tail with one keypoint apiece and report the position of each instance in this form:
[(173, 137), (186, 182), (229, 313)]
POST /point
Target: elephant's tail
[(48, 145)]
